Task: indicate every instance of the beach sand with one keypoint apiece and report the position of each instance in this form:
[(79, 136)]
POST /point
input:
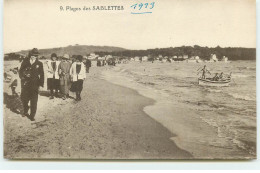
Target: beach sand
[(108, 123)]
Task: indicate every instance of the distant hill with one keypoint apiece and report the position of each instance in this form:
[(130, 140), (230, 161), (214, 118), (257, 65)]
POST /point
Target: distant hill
[(74, 50)]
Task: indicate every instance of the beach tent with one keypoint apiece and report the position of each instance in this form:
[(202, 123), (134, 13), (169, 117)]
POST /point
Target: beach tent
[(185, 56), (137, 58), (213, 58), (109, 56), (93, 56), (144, 58), (224, 59)]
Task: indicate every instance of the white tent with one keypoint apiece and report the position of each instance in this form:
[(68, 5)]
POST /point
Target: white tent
[(185, 56), (144, 58), (137, 58)]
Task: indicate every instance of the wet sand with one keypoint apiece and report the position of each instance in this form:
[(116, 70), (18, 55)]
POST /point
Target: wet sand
[(108, 123)]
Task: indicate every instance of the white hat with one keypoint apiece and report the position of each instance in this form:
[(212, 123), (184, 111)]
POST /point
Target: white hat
[(66, 56)]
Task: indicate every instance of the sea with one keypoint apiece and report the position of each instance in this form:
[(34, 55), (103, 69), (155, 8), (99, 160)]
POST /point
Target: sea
[(209, 122)]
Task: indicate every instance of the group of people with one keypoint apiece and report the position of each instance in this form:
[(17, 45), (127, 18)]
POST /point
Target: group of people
[(62, 76), (110, 62), (65, 75)]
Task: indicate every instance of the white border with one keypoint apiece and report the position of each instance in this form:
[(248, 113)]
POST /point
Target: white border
[(126, 165)]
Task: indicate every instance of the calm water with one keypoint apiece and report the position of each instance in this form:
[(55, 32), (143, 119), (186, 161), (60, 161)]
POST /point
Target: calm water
[(232, 110)]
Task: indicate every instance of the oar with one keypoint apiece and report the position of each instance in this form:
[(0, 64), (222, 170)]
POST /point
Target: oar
[(199, 68)]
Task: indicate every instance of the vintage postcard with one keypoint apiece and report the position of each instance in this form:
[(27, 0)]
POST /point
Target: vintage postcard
[(129, 79)]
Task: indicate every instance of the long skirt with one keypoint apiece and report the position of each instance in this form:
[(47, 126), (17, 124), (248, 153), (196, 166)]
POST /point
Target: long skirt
[(77, 86), (53, 84), (65, 84), (87, 69)]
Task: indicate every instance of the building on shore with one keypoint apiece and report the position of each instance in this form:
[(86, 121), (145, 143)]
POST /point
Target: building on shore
[(224, 59), (213, 58), (93, 56), (185, 57), (145, 58), (137, 58)]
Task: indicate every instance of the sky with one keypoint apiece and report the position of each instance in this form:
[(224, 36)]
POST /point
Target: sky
[(171, 23)]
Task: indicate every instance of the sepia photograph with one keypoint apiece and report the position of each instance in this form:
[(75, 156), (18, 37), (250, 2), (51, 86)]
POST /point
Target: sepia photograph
[(137, 79)]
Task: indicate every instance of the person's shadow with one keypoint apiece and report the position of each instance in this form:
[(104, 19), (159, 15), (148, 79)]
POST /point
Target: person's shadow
[(47, 94), (13, 103), (44, 93)]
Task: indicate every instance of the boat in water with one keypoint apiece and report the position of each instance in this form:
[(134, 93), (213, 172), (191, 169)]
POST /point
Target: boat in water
[(218, 83)]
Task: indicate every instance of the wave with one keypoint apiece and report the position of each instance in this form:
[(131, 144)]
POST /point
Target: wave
[(242, 97), (239, 76), (163, 102), (247, 68), (214, 90)]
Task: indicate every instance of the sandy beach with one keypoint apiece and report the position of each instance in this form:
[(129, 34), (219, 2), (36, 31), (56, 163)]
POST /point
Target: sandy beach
[(108, 123), (209, 122)]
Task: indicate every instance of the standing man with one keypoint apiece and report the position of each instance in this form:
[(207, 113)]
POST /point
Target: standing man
[(32, 79), (204, 71)]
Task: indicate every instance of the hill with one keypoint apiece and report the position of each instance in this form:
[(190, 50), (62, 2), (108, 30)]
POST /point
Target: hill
[(71, 50)]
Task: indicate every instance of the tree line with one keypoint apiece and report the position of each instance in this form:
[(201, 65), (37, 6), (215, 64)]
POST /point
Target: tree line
[(233, 53)]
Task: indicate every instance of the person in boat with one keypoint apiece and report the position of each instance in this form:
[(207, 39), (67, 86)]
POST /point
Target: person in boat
[(221, 76), (216, 77), (229, 77), (204, 70)]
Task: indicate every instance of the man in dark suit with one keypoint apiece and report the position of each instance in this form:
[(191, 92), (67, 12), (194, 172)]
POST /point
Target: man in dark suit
[(32, 79)]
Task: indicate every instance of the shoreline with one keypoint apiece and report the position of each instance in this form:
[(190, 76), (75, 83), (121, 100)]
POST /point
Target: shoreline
[(187, 128), (104, 125)]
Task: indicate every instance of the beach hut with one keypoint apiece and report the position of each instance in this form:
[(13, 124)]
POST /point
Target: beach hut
[(191, 59), (224, 59), (109, 56), (185, 56), (144, 58), (137, 58), (213, 58), (198, 60), (92, 56)]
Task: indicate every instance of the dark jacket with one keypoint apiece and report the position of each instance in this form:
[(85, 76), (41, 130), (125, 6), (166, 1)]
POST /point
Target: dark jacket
[(88, 63), (32, 75)]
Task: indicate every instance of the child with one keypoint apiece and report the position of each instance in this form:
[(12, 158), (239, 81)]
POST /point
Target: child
[(14, 81)]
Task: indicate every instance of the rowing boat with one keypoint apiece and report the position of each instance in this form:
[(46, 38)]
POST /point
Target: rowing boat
[(210, 82)]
